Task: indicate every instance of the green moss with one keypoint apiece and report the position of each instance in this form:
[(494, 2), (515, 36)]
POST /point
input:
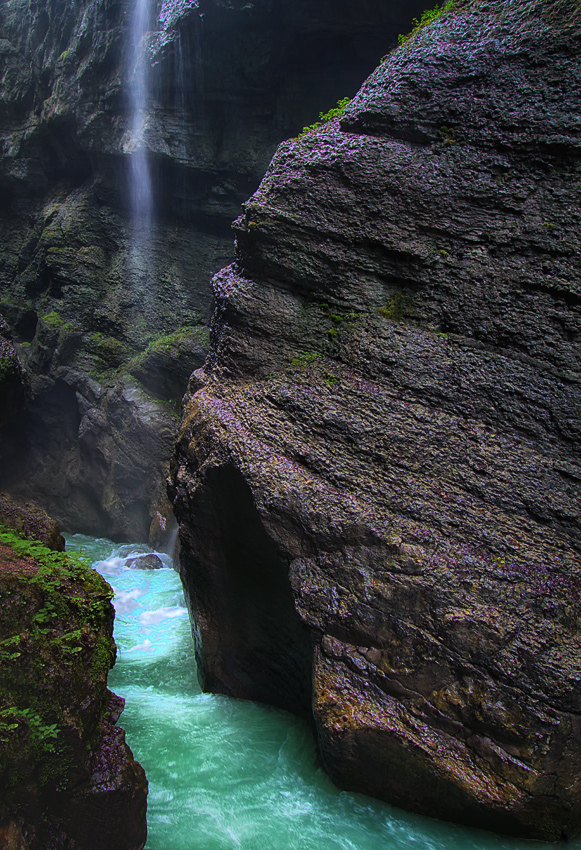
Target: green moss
[(52, 320), (397, 308), (55, 652), (177, 344), (305, 359), (110, 351)]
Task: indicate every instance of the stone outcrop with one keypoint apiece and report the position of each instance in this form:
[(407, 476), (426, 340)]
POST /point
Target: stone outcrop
[(32, 522), (377, 477), (67, 777), (228, 81)]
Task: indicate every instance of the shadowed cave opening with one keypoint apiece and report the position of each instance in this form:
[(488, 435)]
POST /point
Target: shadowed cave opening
[(250, 642)]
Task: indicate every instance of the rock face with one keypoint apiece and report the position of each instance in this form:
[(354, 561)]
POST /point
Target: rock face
[(13, 386), (68, 780), (227, 81), (377, 478), (32, 522)]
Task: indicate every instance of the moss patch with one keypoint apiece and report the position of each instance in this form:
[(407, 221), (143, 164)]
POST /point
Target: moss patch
[(52, 320), (56, 649)]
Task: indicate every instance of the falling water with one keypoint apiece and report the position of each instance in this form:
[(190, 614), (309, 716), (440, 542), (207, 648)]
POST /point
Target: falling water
[(227, 774), (140, 183)]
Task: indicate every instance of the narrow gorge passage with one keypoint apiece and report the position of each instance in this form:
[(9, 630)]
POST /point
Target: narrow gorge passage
[(228, 774)]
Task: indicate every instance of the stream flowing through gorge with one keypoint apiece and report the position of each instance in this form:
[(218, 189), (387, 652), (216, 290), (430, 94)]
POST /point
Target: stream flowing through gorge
[(226, 774)]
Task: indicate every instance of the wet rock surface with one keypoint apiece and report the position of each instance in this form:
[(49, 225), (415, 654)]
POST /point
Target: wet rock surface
[(84, 297), (13, 383), (392, 404), (32, 522), (67, 777)]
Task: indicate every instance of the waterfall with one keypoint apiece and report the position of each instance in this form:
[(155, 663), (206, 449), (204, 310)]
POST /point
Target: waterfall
[(141, 195), (155, 25)]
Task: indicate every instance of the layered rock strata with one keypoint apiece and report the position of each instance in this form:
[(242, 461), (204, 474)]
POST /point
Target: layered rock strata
[(67, 777), (13, 383), (226, 82), (377, 478)]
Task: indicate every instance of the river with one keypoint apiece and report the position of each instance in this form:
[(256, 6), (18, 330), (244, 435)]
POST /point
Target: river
[(226, 774)]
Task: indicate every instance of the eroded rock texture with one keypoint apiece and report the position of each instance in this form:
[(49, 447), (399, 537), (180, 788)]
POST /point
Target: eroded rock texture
[(13, 385), (386, 431), (68, 780), (86, 299)]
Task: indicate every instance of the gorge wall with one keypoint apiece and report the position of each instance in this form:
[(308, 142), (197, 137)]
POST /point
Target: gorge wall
[(377, 477), (108, 337)]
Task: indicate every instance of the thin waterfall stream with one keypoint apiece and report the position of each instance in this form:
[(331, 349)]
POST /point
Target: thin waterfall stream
[(226, 774), (140, 180)]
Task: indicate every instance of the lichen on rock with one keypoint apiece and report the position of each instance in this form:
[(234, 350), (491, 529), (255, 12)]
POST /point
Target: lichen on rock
[(392, 403)]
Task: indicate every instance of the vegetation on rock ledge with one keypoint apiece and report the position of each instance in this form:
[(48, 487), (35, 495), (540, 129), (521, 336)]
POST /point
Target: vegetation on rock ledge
[(55, 652)]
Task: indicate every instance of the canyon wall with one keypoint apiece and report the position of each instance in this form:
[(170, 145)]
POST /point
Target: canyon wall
[(377, 477), (109, 334)]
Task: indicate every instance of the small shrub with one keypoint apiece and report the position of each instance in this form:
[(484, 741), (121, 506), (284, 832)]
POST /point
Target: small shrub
[(427, 17), (324, 117), (305, 359), (397, 308)]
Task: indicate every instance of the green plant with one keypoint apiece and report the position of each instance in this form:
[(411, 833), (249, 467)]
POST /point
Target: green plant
[(397, 308), (53, 320), (324, 117), (55, 652), (305, 359), (41, 733), (427, 18)]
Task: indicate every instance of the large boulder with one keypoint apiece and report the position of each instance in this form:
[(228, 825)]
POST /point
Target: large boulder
[(377, 478), (31, 521), (67, 777)]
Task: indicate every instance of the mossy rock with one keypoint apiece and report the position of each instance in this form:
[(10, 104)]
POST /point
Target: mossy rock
[(56, 649), (66, 773), (109, 352), (168, 361), (31, 522)]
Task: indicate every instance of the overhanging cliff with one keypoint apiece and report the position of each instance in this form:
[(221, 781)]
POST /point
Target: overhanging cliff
[(388, 424)]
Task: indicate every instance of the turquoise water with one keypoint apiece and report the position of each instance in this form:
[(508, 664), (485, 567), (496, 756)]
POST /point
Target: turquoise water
[(226, 774)]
